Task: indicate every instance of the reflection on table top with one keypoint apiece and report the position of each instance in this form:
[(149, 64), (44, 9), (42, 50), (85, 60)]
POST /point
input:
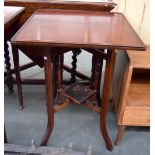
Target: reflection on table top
[(79, 29), (11, 13)]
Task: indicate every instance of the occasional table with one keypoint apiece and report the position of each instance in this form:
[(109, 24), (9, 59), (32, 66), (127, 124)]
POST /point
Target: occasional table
[(11, 20), (56, 30)]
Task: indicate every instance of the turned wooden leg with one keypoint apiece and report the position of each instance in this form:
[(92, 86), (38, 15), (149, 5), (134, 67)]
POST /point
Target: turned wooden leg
[(48, 69), (5, 137), (17, 73), (76, 52), (110, 61), (119, 134), (8, 75)]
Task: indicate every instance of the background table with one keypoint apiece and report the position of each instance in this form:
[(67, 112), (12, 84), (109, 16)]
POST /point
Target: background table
[(11, 24), (32, 5), (75, 29)]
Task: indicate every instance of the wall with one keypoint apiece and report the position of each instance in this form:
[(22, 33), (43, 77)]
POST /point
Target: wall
[(138, 14)]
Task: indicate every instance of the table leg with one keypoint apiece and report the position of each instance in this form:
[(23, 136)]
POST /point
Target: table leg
[(100, 62), (93, 69), (110, 62), (15, 53), (97, 64), (59, 77), (9, 78), (48, 69), (62, 62)]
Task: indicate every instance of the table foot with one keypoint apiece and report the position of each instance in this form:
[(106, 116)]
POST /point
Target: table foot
[(15, 53), (120, 134), (106, 137), (21, 107), (46, 136)]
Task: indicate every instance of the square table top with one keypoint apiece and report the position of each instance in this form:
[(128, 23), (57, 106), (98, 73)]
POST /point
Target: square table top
[(84, 29), (11, 13)]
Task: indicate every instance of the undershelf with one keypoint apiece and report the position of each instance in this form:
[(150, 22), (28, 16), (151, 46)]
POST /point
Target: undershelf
[(78, 92), (139, 92)]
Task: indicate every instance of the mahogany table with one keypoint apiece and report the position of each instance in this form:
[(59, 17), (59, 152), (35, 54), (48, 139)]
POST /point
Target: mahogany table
[(55, 31), (11, 19), (32, 5)]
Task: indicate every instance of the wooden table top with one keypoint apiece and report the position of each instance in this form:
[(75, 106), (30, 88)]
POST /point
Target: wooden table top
[(11, 14), (84, 29)]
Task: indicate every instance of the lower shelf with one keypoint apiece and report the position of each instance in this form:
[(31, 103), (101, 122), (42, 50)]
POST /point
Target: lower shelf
[(78, 93)]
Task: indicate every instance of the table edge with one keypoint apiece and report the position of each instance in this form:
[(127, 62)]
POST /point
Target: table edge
[(66, 2)]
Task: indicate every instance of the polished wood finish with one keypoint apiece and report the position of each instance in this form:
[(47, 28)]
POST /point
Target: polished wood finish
[(110, 62), (131, 90), (56, 29), (87, 29), (11, 20)]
